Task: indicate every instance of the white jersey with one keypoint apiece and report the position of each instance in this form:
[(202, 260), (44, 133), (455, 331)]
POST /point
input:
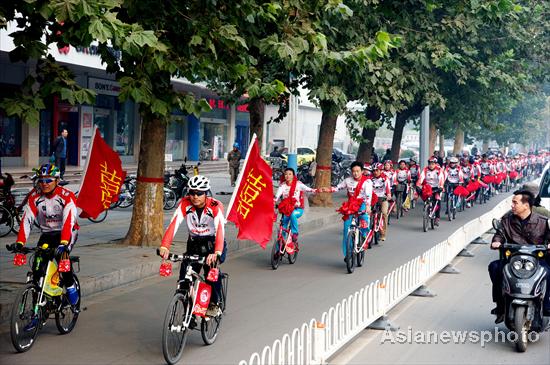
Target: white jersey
[(284, 190), (350, 184)]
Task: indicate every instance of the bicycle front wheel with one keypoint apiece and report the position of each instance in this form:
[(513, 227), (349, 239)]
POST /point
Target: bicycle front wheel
[(174, 334), (350, 245), (6, 221), (425, 217), (276, 253), (25, 324), (67, 315)]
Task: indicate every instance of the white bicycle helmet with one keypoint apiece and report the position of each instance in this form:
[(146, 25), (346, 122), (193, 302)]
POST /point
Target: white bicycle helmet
[(199, 182), (453, 160)]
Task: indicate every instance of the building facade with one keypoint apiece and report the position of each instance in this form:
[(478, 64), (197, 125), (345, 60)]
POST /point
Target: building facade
[(207, 137)]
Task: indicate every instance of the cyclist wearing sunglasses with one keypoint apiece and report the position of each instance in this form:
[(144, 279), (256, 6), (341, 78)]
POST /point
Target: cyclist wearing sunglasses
[(54, 208), (205, 223)]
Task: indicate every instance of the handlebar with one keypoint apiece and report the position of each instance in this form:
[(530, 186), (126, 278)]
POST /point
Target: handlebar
[(25, 250), (192, 258)]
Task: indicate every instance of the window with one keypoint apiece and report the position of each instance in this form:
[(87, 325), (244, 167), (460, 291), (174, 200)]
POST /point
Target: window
[(10, 136)]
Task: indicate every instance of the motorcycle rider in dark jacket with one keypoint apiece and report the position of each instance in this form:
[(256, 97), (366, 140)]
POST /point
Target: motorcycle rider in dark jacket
[(524, 227)]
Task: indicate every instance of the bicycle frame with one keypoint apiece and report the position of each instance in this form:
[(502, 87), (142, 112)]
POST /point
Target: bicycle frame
[(281, 238)]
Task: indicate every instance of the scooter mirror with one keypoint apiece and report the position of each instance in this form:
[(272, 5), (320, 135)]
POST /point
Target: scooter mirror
[(185, 159), (497, 225), (198, 163)]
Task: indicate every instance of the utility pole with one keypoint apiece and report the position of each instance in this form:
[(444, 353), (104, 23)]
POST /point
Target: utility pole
[(424, 136)]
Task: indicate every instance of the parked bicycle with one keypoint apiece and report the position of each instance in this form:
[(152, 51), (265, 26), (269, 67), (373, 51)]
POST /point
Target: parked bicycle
[(183, 313), (283, 246), (41, 297)]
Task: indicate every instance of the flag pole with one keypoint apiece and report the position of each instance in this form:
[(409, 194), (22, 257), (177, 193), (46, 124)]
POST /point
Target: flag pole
[(88, 158), (252, 141)]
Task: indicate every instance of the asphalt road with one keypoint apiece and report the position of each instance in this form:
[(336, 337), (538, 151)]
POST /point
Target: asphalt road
[(123, 326)]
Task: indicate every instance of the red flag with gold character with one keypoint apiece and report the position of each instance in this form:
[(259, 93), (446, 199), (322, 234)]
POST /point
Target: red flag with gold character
[(102, 179), (251, 206)]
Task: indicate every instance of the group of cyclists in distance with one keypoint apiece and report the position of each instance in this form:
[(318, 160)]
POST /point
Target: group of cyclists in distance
[(375, 191)]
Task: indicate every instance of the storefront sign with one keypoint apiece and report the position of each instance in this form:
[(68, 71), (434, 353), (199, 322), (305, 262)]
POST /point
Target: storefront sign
[(220, 104), (103, 86)]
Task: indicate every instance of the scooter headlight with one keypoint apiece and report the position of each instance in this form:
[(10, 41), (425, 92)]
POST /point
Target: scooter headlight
[(529, 266), (517, 265)]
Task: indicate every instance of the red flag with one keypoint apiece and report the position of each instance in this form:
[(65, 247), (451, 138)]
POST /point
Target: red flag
[(251, 206), (102, 179)]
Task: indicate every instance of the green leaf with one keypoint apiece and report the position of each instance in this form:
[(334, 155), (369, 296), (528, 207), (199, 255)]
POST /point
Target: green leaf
[(195, 40), (99, 31)]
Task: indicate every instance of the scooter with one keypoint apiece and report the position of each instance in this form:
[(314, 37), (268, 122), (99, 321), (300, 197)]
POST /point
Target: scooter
[(179, 179), (524, 288)]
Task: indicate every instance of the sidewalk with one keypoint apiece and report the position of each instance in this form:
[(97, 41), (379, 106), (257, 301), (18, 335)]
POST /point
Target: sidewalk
[(105, 264)]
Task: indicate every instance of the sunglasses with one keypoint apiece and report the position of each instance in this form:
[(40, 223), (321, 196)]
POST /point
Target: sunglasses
[(45, 181), (197, 193)]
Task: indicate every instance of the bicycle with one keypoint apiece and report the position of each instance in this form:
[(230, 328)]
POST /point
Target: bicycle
[(400, 189), (283, 246), (390, 209), (6, 221), (411, 194), (431, 205), (127, 193), (452, 202), (169, 198), (181, 314), (355, 248), (40, 298), (376, 225)]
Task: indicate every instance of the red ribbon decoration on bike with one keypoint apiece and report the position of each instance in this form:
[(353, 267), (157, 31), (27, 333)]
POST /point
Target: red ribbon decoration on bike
[(287, 205), (353, 204)]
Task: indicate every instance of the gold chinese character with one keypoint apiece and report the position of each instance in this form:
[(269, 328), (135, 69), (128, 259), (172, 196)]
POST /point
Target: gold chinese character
[(242, 209), (110, 185), (255, 181)]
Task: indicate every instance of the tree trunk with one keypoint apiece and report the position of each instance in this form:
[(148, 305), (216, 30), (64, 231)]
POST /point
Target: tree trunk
[(400, 122), (485, 146), (146, 227), (459, 141), (324, 157), (256, 107), (441, 144), (433, 138), (364, 153)]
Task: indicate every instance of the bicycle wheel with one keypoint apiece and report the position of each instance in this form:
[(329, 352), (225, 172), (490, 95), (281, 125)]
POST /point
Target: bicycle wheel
[(425, 217), (209, 328), (170, 199), (276, 253), (100, 218), (22, 332), (398, 205), (350, 245), (6, 221), (292, 257), (126, 196), (450, 207), (174, 334), (66, 316)]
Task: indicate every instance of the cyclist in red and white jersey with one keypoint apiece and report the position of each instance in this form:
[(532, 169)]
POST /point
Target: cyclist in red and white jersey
[(205, 223), (54, 209), (434, 176)]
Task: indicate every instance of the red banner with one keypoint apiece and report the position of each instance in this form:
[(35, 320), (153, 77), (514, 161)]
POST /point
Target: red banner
[(251, 207), (102, 180)]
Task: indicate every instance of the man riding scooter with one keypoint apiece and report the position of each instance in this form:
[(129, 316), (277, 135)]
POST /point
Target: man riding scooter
[(522, 227)]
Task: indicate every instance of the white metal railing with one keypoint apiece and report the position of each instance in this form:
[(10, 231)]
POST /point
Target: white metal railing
[(315, 342)]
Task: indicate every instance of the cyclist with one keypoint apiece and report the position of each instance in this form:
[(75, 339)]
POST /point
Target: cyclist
[(413, 168), (433, 175), (359, 189), (388, 169), (453, 176), (54, 208), (402, 179), (292, 205), (382, 188), (205, 222)]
